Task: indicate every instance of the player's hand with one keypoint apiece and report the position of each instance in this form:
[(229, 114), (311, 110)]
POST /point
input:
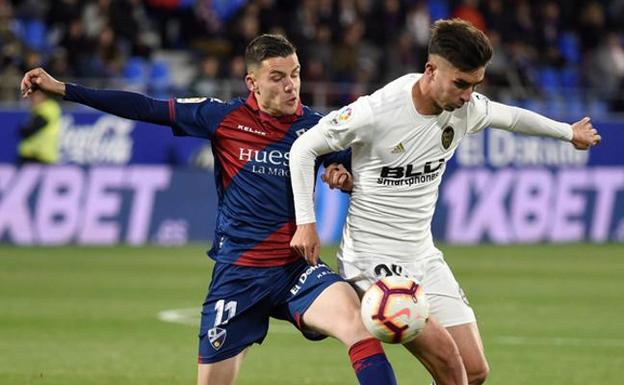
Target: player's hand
[(39, 79), (306, 243), (337, 176), (584, 134)]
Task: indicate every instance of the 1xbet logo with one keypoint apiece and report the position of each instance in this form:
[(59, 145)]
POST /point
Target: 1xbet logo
[(408, 171)]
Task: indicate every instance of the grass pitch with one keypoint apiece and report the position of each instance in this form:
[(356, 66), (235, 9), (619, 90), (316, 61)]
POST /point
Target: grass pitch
[(89, 316)]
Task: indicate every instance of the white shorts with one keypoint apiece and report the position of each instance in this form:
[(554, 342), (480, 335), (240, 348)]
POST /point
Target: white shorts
[(447, 301)]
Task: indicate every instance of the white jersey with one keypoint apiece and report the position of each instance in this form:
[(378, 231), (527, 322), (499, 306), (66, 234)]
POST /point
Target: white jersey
[(398, 159)]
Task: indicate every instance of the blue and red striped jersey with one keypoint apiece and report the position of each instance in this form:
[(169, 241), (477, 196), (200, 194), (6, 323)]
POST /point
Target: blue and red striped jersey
[(256, 217)]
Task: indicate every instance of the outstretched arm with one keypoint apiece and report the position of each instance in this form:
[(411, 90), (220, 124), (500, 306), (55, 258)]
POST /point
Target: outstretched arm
[(581, 134), (121, 103)]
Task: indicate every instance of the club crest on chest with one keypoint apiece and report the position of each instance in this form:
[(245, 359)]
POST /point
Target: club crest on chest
[(448, 134)]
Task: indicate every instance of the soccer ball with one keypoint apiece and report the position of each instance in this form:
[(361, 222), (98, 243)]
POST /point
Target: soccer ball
[(395, 309)]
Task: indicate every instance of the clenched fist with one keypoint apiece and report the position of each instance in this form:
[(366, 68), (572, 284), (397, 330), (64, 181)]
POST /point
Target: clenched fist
[(584, 134), (39, 79)]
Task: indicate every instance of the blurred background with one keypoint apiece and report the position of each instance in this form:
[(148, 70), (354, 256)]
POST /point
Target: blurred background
[(121, 181), (551, 56)]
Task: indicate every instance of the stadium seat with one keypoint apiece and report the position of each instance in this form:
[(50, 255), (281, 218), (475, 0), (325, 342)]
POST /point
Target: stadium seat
[(135, 69), (159, 79), (569, 47), (569, 77), (135, 73), (555, 107), (549, 81), (225, 9), (510, 100), (574, 105), (534, 105), (598, 109), (438, 9), (35, 34)]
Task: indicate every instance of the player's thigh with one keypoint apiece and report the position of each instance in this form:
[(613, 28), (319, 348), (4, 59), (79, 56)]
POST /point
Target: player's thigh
[(222, 372), (468, 341), (336, 312), (435, 348), (320, 304), (447, 301), (234, 315)]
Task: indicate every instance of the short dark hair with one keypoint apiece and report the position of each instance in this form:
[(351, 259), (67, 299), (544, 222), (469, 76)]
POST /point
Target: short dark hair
[(459, 42), (267, 46)]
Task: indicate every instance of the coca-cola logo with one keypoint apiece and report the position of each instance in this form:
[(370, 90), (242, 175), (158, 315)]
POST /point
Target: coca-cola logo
[(108, 140)]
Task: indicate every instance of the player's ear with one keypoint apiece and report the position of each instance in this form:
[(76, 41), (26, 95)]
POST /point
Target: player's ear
[(250, 81), (430, 68)]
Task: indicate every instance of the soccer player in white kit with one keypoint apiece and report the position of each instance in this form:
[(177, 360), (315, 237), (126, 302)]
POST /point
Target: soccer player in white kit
[(402, 137)]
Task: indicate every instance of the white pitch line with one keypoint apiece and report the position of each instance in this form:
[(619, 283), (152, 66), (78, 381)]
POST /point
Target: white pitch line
[(190, 316), (181, 316), (559, 341)]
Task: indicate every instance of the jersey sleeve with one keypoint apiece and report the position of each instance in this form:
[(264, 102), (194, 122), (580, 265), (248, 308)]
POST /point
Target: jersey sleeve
[(342, 157), (198, 116), (479, 113), (528, 122), (129, 105), (347, 126)]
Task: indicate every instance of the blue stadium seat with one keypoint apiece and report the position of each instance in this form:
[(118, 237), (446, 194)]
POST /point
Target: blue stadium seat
[(569, 77), (510, 100), (569, 47), (534, 105), (35, 34), (135, 71), (555, 107), (225, 9), (159, 79), (598, 109), (574, 105), (438, 9), (549, 80)]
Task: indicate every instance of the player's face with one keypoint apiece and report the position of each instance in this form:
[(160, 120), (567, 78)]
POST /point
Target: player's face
[(451, 87), (276, 84)]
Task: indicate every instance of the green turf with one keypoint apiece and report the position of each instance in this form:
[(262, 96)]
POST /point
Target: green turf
[(72, 315)]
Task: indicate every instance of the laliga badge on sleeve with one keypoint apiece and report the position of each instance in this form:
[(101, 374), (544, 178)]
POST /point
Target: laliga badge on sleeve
[(342, 115), (216, 336), (190, 100)]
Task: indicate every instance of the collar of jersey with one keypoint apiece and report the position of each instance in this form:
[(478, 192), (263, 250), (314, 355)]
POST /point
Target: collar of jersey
[(253, 104)]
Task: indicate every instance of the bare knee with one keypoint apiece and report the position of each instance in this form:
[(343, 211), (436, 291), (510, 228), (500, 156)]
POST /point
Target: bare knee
[(439, 354), (468, 340), (345, 322), (449, 368), (222, 372), (350, 329), (445, 364), (478, 374)]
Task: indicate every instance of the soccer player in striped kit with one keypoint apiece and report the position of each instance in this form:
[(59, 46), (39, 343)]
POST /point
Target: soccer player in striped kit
[(256, 275)]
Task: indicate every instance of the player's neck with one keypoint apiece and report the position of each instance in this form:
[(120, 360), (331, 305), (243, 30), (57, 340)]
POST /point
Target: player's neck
[(424, 103)]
